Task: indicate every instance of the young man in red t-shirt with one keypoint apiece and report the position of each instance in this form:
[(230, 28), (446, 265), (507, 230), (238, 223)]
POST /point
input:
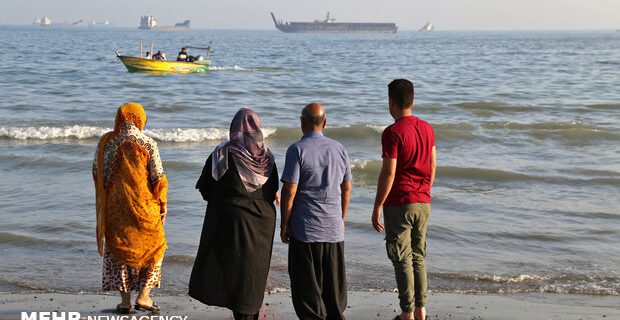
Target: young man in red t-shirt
[(404, 192)]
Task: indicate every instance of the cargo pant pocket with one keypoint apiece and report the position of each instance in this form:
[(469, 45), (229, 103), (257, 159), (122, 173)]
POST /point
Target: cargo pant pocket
[(397, 250)]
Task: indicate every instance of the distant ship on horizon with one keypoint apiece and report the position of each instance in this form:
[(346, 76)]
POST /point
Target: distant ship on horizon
[(47, 22), (96, 23), (44, 22), (148, 22), (428, 27), (329, 25)]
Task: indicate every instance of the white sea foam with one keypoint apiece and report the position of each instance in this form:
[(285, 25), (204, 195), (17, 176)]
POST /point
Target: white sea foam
[(377, 128), (89, 132), (229, 68), (195, 134), (187, 135), (365, 164), (358, 163), (518, 279), (48, 133)]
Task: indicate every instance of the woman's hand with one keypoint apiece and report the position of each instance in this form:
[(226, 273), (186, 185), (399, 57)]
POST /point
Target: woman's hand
[(277, 199), (163, 212)]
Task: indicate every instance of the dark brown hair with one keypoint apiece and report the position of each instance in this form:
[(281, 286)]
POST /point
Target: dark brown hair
[(400, 91)]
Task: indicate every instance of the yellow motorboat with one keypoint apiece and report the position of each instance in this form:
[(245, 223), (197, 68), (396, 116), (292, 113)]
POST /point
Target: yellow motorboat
[(147, 65), (135, 64)]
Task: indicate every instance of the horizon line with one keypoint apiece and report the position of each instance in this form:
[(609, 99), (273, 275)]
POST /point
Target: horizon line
[(114, 26)]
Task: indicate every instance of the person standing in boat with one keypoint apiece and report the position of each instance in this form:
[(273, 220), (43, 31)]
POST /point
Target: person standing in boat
[(240, 183), (131, 205)]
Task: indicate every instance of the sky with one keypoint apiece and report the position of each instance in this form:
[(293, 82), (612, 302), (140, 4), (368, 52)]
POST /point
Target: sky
[(254, 14)]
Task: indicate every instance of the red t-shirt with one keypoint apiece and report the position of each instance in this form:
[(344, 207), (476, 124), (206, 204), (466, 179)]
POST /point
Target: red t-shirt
[(410, 141)]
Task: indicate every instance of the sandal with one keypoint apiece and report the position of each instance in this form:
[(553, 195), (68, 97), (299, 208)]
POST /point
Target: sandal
[(122, 310), (153, 308)]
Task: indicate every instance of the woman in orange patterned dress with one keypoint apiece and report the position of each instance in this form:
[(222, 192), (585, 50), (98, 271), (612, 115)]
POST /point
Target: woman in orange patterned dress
[(131, 206)]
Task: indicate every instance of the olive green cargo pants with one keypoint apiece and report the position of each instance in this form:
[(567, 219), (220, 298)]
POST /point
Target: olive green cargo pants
[(405, 241)]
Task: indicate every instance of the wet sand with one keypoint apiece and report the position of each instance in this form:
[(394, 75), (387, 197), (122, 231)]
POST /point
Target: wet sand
[(362, 305)]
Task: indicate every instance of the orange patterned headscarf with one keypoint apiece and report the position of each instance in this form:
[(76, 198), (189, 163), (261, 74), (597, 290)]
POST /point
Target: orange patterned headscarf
[(130, 112)]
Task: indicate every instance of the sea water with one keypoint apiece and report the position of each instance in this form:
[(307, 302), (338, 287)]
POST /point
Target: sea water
[(527, 127)]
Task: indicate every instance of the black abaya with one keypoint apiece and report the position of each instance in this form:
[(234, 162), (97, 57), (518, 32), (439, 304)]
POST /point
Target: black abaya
[(234, 254)]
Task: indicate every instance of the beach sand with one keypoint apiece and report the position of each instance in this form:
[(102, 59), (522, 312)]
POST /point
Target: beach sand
[(362, 305)]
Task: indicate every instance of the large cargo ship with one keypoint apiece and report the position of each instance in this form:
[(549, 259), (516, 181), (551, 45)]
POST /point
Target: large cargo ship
[(330, 25), (148, 22)]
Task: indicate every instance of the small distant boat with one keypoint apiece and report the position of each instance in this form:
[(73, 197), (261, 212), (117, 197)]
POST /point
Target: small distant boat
[(147, 65), (428, 27), (44, 22), (96, 23), (148, 22)]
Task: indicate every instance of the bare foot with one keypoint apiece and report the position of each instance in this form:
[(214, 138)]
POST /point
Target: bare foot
[(419, 313), (147, 302), (406, 316)]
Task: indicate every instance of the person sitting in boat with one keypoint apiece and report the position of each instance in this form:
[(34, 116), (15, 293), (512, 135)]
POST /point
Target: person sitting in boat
[(148, 55), (159, 56), (182, 55)]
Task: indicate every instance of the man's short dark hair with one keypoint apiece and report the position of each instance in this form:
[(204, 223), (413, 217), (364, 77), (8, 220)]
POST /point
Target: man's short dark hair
[(400, 91)]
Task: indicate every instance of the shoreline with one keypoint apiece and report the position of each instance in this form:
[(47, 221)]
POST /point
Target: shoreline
[(362, 305)]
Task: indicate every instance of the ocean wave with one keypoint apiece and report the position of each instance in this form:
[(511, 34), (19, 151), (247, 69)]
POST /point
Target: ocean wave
[(368, 166), (368, 170), (526, 283), (528, 236), (608, 62), (187, 134), (27, 241), (365, 172), (80, 132), (354, 132), (496, 175), (602, 107), (573, 133), (520, 278), (50, 133), (456, 132), (486, 106)]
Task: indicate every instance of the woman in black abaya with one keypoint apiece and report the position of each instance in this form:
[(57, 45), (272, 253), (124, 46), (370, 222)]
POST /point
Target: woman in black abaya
[(240, 183)]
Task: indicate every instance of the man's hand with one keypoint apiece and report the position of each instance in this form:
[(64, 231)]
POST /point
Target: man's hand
[(384, 185), (289, 190), (163, 212), (376, 220), (277, 199), (285, 235)]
